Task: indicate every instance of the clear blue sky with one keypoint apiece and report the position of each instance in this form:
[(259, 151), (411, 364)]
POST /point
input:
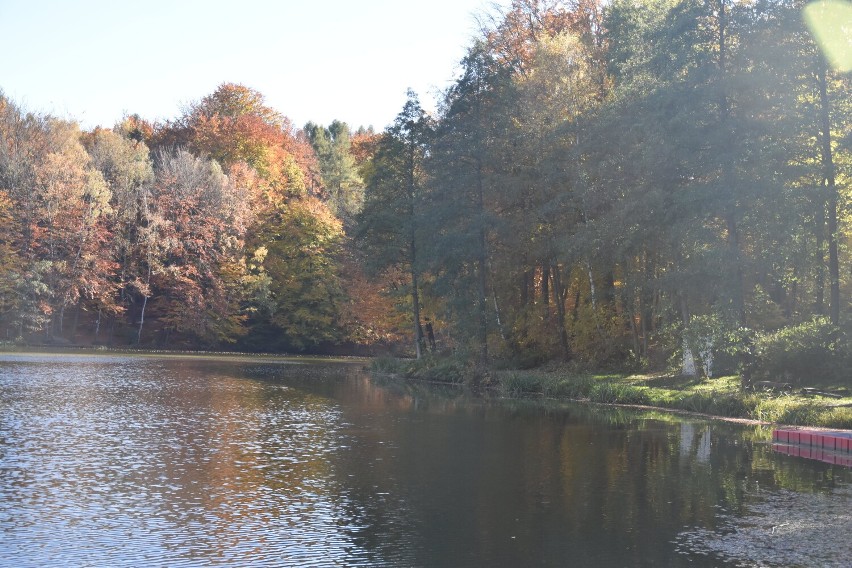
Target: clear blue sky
[(319, 60)]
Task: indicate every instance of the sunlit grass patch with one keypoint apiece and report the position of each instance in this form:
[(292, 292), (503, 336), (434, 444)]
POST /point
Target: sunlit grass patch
[(618, 392), (717, 396), (549, 384)]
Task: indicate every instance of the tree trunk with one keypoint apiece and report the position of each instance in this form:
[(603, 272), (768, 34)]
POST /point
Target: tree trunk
[(560, 293), (482, 263), (76, 321), (526, 278), (733, 239), (141, 321), (412, 210), (831, 194), (415, 301), (820, 251)]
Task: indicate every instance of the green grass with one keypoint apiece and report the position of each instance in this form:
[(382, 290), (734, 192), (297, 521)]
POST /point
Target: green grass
[(717, 396), (720, 396), (434, 369)]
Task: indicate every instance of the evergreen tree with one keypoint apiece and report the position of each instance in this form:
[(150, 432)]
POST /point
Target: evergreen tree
[(391, 224)]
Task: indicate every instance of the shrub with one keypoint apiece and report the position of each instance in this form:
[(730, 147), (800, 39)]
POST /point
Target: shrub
[(814, 352)]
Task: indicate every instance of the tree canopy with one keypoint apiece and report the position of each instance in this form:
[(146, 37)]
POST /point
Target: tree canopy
[(618, 184)]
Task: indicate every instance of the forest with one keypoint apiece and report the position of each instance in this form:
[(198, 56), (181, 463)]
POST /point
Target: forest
[(630, 184)]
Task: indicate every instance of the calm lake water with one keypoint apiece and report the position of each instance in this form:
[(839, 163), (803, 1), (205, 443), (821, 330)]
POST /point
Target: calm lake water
[(137, 461)]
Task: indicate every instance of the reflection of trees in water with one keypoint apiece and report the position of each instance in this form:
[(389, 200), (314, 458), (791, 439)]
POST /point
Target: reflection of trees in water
[(783, 528), (695, 444)]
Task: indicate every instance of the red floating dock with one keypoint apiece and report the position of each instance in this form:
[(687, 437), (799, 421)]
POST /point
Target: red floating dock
[(826, 446)]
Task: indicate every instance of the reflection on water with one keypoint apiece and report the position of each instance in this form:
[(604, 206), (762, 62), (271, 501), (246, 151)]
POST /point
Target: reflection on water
[(142, 461), (139, 461)]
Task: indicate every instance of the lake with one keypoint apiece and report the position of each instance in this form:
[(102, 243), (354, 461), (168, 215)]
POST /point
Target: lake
[(172, 461)]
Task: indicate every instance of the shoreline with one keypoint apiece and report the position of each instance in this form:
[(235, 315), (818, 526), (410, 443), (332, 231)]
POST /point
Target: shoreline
[(720, 398), (623, 391), (177, 354)]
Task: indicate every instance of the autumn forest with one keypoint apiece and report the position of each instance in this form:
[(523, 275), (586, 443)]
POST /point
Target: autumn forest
[(608, 183)]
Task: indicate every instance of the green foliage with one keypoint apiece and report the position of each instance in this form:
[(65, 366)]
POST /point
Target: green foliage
[(297, 277), (443, 370), (598, 337), (596, 176), (617, 392), (343, 184), (763, 313), (812, 353), (715, 403), (428, 368), (391, 222)]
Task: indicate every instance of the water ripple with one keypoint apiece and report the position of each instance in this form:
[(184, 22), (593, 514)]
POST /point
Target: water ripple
[(126, 462)]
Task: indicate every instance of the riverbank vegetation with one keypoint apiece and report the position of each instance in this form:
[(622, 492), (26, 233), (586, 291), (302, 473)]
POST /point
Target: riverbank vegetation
[(643, 187), (828, 406)]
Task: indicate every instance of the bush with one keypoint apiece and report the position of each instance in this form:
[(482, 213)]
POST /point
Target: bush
[(815, 352)]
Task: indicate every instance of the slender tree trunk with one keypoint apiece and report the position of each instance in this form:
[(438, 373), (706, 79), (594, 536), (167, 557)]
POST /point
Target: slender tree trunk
[(525, 288), (482, 267), (688, 367), (415, 301), (820, 252), (141, 321), (634, 332), (831, 194), (415, 291), (647, 300), (497, 315), (737, 300), (575, 309), (733, 239), (594, 298), (609, 287), (76, 321), (592, 292), (560, 293), (144, 305)]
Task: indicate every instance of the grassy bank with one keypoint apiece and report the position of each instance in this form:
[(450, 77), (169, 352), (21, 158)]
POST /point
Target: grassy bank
[(715, 396)]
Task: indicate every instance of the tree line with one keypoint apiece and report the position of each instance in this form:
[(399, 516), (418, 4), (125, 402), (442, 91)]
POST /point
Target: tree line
[(217, 228), (611, 183), (625, 184)]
